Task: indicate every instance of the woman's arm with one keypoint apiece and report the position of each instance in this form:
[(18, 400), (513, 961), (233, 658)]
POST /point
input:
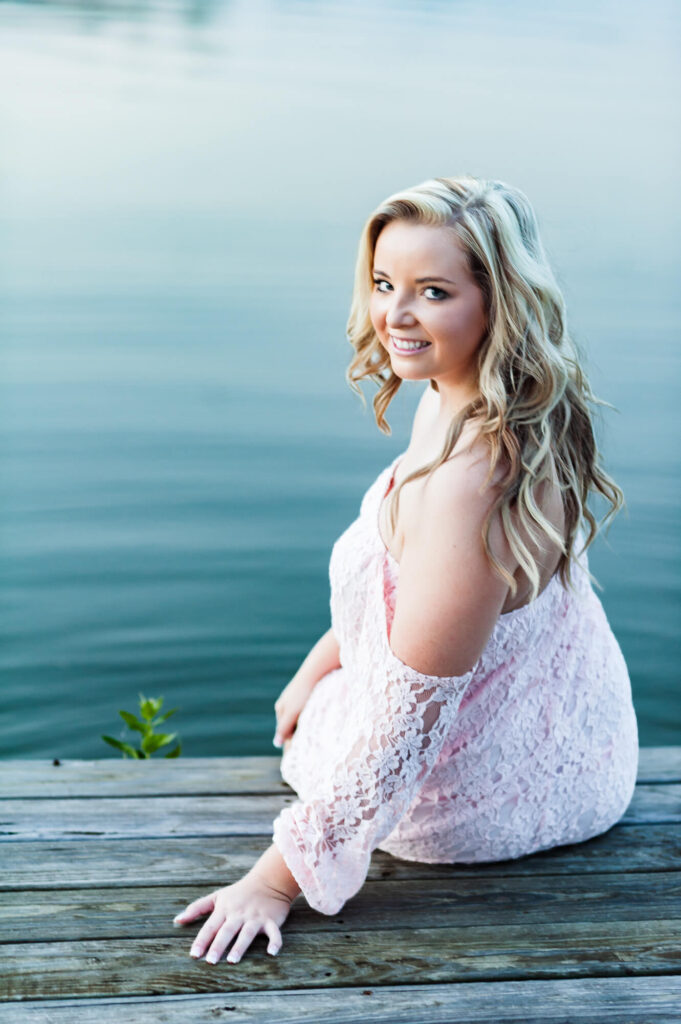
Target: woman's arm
[(260, 901), (449, 597), (412, 683), (323, 658), (394, 733)]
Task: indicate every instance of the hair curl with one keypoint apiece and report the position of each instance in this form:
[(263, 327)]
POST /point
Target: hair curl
[(534, 398)]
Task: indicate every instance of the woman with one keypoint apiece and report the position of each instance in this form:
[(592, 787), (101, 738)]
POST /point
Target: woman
[(470, 702)]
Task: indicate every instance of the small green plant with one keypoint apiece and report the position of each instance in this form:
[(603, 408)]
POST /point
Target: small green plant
[(150, 719)]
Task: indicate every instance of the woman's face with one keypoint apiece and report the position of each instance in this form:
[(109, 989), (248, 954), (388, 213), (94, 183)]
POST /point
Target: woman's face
[(426, 307)]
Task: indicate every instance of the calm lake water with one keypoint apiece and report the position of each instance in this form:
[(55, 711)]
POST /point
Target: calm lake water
[(182, 191)]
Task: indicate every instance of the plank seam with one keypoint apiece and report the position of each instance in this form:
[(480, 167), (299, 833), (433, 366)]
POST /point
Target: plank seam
[(623, 974), (136, 795), (535, 880), (15, 837), (65, 1003), (285, 790)]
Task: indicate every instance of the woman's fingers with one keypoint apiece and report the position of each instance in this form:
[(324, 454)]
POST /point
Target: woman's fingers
[(246, 936), (248, 932), (224, 936), (274, 935), (285, 728), (207, 934), (198, 908)]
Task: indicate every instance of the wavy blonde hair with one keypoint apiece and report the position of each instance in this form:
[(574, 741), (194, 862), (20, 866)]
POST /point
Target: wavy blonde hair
[(534, 398)]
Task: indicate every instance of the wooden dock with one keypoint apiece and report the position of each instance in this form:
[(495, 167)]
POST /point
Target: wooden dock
[(97, 857)]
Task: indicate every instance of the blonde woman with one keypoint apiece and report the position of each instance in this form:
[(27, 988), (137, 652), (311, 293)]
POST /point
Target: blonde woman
[(470, 702)]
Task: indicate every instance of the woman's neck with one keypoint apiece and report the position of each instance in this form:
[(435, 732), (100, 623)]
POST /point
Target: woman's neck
[(452, 398)]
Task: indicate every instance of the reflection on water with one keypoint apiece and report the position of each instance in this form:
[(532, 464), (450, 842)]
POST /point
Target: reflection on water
[(183, 189)]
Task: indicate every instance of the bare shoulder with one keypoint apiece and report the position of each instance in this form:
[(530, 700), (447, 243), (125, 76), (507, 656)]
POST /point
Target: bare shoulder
[(465, 478), (459, 496), (448, 596)]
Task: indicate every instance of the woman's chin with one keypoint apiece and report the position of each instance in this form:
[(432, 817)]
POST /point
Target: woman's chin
[(408, 370)]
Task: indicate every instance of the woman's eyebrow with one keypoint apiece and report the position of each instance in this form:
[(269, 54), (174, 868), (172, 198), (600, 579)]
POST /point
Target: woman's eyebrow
[(422, 280), (418, 280)]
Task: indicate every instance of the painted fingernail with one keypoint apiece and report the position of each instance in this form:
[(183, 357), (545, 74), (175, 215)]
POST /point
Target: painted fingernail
[(273, 950), (211, 958), (195, 951), (233, 959), (277, 741)]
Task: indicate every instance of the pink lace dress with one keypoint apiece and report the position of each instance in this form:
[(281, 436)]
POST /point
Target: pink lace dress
[(534, 747)]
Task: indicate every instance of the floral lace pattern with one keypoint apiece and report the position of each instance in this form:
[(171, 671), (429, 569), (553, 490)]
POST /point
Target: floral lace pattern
[(534, 747)]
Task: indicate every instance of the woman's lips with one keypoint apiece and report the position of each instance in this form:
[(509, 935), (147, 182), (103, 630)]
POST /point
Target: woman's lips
[(408, 346)]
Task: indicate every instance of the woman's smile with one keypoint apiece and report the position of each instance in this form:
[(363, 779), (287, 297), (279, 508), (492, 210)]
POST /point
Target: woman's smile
[(408, 346)]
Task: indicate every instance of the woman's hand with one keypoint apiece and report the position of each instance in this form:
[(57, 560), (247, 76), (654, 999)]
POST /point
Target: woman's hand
[(249, 907), (290, 703), (323, 658)]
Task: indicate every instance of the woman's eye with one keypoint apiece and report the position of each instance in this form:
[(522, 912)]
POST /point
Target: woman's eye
[(431, 292), (440, 294)]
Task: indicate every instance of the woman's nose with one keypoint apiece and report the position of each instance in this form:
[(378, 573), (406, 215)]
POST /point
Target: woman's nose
[(399, 313)]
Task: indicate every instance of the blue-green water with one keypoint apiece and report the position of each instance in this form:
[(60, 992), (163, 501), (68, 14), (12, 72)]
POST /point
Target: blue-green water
[(181, 194)]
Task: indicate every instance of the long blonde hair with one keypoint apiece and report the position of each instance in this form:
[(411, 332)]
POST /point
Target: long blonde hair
[(533, 402)]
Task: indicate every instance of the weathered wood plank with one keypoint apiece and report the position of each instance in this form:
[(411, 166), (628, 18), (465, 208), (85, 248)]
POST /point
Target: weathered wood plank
[(127, 817), (578, 1001), (157, 966), (659, 764), (446, 902), (83, 818), (656, 802), (129, 862), (219, 776), (222, 776)]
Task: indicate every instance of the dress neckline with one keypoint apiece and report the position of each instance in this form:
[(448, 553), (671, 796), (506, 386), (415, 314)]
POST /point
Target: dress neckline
[(395, 565)]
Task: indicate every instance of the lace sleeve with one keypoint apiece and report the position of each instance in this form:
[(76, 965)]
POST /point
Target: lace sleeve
[(327, 842)]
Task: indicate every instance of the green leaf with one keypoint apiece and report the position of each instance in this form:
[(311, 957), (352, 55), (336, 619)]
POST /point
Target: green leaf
[(162, 718), (176, 752), (113, 743), (153, 741), (133, 722), (125, 747), (150, 706)]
